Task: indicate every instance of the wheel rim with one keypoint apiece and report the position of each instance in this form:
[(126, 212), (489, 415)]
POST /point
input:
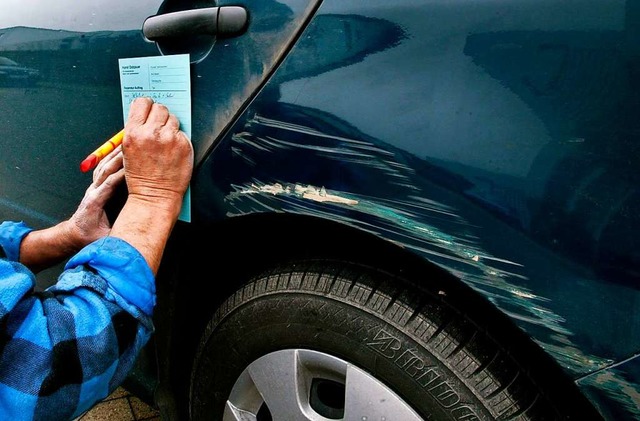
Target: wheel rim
[(298, 384)]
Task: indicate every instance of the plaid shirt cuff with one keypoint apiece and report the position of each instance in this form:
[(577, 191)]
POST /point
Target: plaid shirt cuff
[(130, 280), (11, 235)]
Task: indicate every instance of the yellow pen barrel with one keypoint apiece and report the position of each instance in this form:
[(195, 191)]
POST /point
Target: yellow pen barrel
[(108, 146)]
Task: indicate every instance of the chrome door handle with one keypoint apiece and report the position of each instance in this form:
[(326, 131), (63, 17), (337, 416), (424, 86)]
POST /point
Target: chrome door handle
[(223, 21)]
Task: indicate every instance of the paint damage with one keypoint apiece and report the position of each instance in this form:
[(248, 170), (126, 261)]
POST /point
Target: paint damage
[(411, 219), (306, 192), (459, 255), (618, 384)]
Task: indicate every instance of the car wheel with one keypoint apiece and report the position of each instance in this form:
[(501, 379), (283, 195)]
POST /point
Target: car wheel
[(322, 340)]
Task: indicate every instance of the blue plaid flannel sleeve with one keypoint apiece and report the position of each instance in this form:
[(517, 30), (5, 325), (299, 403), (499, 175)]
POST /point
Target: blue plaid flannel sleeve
[(64, 349)]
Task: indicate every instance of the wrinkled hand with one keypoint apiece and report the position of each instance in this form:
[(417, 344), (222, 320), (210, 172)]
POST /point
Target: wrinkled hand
[(158, 161), (43, 248), (155, 152), (90, 222)]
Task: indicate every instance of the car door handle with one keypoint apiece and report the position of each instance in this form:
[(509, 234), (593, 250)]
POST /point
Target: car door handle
[(223, 21)]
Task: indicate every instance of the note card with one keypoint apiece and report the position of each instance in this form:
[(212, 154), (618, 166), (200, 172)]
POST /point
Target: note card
[(166, 79)]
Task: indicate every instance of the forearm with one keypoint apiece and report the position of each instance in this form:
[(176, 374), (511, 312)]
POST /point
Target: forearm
[(146, 224), (43, 248)]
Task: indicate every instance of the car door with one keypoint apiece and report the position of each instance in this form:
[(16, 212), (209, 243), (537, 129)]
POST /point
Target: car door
[(60, 91)]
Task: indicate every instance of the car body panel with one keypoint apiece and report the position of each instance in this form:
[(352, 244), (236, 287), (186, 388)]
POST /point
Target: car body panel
[(504, 154), (76, 105), (614, 390), (496, 139), (48, 129)]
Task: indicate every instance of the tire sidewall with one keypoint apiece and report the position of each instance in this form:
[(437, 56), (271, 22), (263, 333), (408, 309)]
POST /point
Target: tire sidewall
[(360, 336)]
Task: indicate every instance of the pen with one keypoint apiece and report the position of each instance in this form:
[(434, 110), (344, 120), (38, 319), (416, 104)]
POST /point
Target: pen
[(105, 149)]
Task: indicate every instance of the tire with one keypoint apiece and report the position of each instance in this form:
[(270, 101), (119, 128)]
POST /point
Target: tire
[(326, 340)]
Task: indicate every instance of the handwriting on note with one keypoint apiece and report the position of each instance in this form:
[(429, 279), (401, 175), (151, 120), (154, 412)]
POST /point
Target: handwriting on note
[(157, 96)]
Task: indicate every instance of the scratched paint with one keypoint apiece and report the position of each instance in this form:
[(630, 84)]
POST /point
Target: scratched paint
[(306, 192), (414, 221), (618, 384), (406, 222), (458, 255), (454, 159)]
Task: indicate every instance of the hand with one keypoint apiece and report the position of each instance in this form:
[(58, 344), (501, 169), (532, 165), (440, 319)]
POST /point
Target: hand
[(158, 156), (44, 248), (158, 162), (90, 222)]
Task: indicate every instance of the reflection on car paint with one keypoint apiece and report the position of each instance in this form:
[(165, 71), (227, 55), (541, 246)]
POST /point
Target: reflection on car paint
[(14, 74)]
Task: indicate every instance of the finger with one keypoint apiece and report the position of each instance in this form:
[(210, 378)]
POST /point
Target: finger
[(158, 115), (172, 123), (168, 132), (139, 110), (115, 179), (104, 191), (110, 156), (173, 137), (109, 165)]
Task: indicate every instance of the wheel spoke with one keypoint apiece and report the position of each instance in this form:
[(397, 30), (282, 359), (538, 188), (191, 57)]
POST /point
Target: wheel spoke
[(280, 379), (368, 399), (283, 380), (232, 413)]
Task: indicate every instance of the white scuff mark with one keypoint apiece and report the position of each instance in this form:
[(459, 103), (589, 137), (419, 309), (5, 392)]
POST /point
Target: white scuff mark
[(267, 188), (448, 251), (495, 259), (306, 192), (523, 294), (321, 195)]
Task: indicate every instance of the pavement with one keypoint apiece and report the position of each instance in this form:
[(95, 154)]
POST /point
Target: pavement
[(121, 406)]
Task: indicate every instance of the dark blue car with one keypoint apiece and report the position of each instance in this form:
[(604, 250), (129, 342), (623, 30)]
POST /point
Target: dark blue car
[(400, 210), (12, 74)]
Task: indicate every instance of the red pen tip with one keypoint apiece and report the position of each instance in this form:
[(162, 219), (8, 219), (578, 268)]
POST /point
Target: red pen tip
[(89, 163)]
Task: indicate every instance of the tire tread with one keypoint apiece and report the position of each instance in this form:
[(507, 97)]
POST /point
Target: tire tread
[(480, 363)]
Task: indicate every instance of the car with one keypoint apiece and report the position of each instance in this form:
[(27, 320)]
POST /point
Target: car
[(11, 73), (400, 210)]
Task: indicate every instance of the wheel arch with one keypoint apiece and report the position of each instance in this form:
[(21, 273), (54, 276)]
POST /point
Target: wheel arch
[(247, 245)]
